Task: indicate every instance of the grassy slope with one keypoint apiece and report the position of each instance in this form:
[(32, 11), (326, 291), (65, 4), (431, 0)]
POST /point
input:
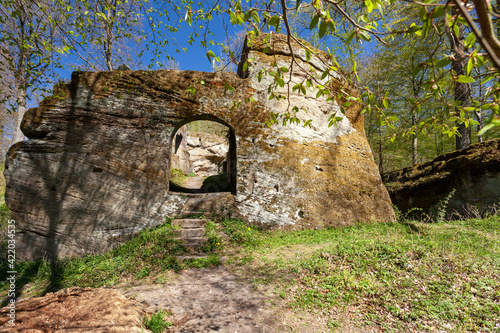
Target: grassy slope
[(397, 276)]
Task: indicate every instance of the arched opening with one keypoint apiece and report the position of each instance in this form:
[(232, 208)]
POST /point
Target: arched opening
[(203, 156)]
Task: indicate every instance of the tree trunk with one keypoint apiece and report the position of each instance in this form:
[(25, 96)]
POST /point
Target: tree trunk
[(21, 110), (414, 141), (462, 90), (480, 120)]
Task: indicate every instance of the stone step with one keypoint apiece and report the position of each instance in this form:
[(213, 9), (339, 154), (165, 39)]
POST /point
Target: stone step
[(194, 242), (189, 233), (187, 213), (189, 223)]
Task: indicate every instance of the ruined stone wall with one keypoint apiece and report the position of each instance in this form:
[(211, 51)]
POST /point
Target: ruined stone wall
[(96, 167)]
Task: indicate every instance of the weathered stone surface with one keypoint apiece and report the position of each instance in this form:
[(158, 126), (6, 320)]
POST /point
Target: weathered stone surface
[(181, 158), (207, 153), (96, 167), (473, 172)]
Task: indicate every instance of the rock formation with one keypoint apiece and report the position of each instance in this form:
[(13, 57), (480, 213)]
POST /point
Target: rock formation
[(207, 152), (95, 169), (474, 174), (180, 158)]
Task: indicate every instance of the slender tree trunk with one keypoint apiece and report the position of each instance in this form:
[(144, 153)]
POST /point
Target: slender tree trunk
[(462, 90), (21, 110), (414, 141), (480, 120)]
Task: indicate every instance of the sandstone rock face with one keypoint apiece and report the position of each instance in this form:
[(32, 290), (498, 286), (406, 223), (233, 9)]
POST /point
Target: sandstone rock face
[(180, 158), (207, 152), (96, 168), (474, 174)]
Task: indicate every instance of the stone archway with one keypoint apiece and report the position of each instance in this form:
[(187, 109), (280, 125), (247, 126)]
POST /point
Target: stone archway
[(98, 157), (206, 181)]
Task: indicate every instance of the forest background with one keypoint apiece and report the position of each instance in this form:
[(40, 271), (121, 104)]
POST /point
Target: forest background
[(427, 72)]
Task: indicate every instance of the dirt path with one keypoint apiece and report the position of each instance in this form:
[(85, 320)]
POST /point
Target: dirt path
[(208, 300)]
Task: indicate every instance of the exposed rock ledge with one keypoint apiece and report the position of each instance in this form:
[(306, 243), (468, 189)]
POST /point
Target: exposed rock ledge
[(473, 172)]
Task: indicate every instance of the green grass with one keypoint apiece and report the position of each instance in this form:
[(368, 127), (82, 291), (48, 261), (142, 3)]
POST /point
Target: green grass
[(444, 275), (149, 254), (178, 177), (156, 322)]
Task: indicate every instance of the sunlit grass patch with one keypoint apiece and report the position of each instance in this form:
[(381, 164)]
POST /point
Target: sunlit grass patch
[(420, 275)]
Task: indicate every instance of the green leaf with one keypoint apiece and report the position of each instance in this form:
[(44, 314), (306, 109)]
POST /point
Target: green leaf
[(274, 21), (465, 79), (486, 128), (364, 35), (416, 70), (322, 28), (314, 22), (487, 78), (470, 65), (297, 5), (443, 62), (438, 11), (308, 55), (210, 54), (456, 30), (369, 5), (470, 40), (256, 17), (426, 28), (413, 28), (325, 74)]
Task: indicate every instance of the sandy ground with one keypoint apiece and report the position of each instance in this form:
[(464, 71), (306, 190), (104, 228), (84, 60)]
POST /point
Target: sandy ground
[(207, 300)]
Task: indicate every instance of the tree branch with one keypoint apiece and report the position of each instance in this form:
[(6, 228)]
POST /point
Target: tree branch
[(488, 40)]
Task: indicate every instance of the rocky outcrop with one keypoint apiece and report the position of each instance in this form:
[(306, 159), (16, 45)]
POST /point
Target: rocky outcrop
[(204, 154), (180, 158), (96, 168), (208, 153), (474, 174)]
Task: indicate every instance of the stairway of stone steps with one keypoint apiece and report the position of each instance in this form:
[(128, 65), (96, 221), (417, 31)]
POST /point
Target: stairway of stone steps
[(191, 231)]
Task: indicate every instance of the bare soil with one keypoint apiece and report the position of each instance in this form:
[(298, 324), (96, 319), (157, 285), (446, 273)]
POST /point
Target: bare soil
[(75, 310), (208, 300)]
